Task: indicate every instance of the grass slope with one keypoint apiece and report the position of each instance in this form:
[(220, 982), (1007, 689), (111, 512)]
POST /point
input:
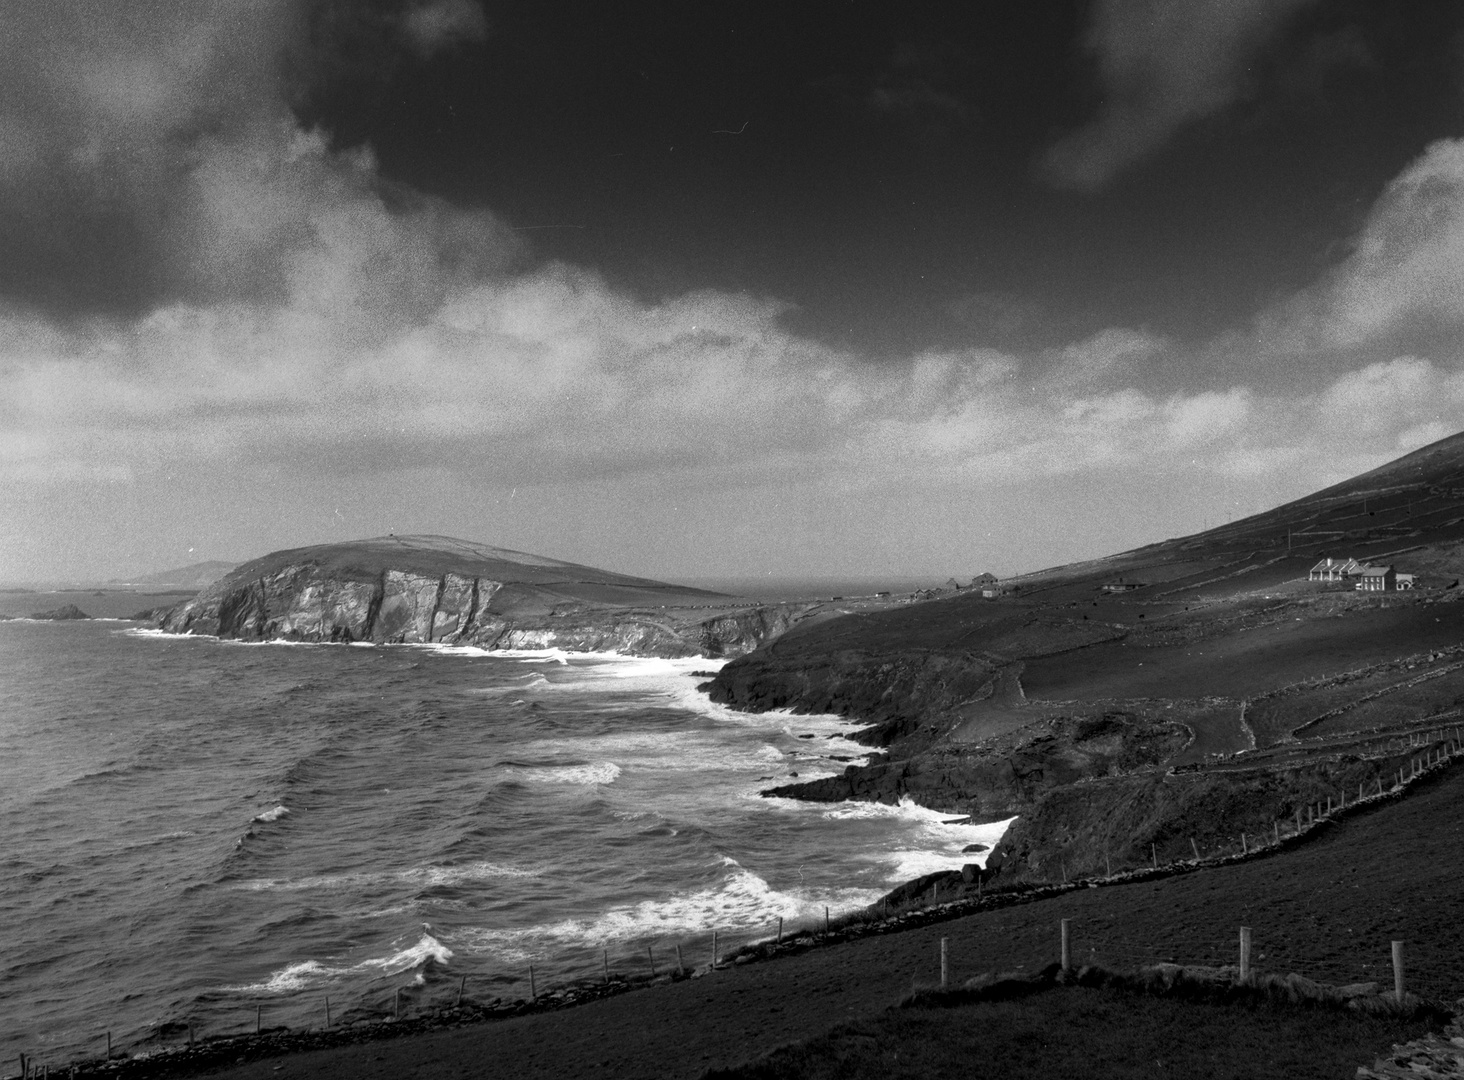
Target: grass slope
[(1101, 1034)]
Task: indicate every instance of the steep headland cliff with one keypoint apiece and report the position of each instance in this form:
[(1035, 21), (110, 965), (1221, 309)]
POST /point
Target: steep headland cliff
[(1165, 699), (421, 589)]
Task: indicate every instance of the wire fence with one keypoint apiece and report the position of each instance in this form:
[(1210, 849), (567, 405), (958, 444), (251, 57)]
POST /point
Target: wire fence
[(1391, 969)]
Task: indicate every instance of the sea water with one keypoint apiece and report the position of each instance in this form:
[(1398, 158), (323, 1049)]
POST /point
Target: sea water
[(192, 830)]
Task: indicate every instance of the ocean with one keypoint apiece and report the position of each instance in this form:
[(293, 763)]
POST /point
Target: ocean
[(198, 834)]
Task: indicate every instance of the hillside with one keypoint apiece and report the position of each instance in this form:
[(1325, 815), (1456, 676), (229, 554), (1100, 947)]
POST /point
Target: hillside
[(193, 576), (436, 589), (1212, 693)]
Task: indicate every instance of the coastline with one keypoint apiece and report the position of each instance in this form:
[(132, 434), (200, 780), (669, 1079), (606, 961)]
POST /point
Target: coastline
[(863, 967)]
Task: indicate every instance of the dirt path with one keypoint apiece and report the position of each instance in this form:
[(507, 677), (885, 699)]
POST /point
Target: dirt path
[(1329, 910)]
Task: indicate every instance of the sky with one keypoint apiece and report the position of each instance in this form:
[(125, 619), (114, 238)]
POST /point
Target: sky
[(790, 290)]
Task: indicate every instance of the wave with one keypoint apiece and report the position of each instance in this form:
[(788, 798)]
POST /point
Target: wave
[(300, 975), (421, 876), (598, 772), (931, 840), (532, 681), (272, 815), (742, 901)]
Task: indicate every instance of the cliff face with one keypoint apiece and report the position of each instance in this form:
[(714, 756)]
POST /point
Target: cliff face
[(401, 591)]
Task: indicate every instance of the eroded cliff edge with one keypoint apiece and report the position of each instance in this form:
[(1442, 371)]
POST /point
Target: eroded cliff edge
[(418, 590)]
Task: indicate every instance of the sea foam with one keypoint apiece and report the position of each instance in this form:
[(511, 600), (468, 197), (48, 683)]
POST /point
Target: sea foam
[(742, 901), (299, 976), (421, 876)]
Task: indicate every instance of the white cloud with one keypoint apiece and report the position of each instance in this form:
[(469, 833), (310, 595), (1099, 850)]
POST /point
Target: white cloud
[(1163, 64), (1406, 269)]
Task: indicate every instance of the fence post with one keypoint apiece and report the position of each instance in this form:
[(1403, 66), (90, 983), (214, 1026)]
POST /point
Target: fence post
[(396, 1000), (1196, 848), (780, 929), (714, 948), (1154, 855), (1276, 831), (1359, 791), (1398, 972), (1380, 785), (680, 965), (327, 1014), (1244, 850), (462, 985), (533, 989), (605, 964), (826, 918), (942, 963), (1245, 953), (1298, 822), (651, 956), (1067, 956), (258, 1021), (1107, 865)]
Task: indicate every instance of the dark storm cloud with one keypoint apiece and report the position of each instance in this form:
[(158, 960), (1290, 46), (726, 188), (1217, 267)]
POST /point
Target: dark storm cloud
[(146, 149), (106, 108)]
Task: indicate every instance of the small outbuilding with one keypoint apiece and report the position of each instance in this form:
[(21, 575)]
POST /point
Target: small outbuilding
[(1403, 581), (1121, 586)]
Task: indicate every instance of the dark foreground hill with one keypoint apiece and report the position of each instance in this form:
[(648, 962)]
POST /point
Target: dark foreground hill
[(423, 589), (1195, 688)]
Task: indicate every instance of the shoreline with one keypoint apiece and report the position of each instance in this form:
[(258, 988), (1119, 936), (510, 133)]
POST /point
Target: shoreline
[(222, 1051)]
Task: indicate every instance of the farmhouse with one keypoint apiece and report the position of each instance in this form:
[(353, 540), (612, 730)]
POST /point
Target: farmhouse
[(1375, 578), (1335, 570), (1365, 576)]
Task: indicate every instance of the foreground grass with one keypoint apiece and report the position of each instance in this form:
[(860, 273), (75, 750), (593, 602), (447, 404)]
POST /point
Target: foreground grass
[(1076, 1031)]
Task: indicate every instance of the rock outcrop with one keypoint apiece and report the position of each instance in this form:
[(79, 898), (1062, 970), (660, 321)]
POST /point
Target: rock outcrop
[(421, 590), (66, 611)]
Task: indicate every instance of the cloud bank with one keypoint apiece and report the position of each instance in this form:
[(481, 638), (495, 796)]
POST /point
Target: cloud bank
[(299, 327)]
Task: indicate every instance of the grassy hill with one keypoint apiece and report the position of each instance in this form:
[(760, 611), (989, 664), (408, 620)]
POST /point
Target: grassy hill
[(1214, 693)]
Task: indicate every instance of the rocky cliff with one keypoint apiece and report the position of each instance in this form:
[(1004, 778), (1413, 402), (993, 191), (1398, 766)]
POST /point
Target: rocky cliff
[(393, 590)]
